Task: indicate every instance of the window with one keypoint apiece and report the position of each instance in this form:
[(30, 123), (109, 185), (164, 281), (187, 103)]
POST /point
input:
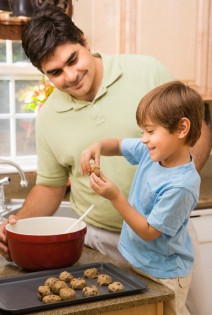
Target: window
[(17, 136)]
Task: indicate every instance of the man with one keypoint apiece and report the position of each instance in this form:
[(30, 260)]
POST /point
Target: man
[(96, 96)]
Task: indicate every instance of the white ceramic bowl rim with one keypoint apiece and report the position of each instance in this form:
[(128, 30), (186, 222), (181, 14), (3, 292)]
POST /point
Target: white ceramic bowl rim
[(44, 226)]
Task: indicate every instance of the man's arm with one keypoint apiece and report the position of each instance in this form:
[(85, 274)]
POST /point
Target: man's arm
[(202, 148), (42, 201)]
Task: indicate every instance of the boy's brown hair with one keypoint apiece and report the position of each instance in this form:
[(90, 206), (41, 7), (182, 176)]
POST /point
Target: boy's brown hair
[(167, 104)]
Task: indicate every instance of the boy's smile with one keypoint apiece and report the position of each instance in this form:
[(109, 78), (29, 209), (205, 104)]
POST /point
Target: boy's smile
[(163, 146)]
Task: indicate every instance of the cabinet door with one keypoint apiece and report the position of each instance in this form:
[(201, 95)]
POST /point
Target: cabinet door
[(177, 32), (101, 21)]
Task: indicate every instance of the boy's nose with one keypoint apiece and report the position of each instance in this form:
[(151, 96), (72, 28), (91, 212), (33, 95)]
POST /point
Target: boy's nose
[(144, 139)]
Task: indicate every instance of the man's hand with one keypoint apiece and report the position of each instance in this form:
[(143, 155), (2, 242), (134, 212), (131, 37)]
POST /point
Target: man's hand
[(4, 250)]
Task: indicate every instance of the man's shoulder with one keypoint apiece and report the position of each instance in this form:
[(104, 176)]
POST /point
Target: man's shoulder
[(129, 58), (138, 62), (58, 101)]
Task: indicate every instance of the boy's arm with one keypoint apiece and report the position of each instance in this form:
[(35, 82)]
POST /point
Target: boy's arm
[(110, 147), (138, 223), (134, 219)]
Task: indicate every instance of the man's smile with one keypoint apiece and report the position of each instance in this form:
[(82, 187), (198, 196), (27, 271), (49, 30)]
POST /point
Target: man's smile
[(76, 82)]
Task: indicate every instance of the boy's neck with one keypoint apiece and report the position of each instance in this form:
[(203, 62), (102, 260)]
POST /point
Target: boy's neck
[(181, 157)]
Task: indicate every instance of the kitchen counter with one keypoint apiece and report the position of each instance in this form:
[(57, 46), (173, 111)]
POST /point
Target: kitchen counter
[(149, 302)]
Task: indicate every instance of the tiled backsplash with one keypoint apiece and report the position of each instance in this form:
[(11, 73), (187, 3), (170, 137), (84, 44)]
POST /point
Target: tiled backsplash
[(207, 169), (14, 190)]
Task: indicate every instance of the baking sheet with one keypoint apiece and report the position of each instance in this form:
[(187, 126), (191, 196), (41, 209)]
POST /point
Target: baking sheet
[(19, 294)]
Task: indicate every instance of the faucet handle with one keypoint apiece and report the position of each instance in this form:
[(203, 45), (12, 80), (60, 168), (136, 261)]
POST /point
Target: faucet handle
[(5, 181), (24, 183)]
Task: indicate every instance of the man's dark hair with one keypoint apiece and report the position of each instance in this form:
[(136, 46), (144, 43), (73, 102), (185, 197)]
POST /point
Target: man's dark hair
[(49, 27)]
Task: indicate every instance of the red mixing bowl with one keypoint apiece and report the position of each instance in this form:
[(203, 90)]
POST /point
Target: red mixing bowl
[(41, 243)]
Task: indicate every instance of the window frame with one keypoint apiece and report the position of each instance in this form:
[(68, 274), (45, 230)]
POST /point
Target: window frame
[(12, 72)]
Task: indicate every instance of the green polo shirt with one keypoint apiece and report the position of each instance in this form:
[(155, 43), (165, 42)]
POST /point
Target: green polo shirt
[(66, 126)]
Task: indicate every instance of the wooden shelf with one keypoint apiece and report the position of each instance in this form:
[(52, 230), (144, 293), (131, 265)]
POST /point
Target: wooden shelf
[(11, 27)]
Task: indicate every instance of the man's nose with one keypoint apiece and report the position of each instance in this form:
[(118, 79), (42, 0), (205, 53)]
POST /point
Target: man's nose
[(70, 75)]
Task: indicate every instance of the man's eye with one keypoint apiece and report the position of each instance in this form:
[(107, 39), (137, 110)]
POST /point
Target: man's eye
[(150, 131), (55, 73), (72, 61)]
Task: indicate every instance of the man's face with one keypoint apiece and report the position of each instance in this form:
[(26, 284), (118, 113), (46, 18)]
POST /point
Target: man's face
[(72, 69)]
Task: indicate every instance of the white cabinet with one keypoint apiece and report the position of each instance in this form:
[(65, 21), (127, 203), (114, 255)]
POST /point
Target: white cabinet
[(202, 221), (177, 32)]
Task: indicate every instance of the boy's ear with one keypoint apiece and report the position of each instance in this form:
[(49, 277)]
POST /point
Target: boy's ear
[(183, 127)]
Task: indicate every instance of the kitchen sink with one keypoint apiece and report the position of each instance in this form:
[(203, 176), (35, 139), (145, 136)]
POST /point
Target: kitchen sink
[(63, 211)]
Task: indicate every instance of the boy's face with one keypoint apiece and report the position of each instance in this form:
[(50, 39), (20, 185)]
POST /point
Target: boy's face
[(73, 70), (163, 146)]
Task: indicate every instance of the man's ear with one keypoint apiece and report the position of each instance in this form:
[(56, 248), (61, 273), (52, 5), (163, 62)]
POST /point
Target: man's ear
[(183, 127)]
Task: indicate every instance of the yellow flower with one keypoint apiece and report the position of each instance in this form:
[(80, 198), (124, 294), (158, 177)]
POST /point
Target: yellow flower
[(35, 98)]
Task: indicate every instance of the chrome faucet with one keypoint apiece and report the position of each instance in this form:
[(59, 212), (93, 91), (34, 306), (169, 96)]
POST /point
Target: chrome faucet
[(6, 180), (23, 182)]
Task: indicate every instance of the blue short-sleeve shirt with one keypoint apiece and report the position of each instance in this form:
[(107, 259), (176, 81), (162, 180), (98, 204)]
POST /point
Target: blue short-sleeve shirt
[(166, 197)]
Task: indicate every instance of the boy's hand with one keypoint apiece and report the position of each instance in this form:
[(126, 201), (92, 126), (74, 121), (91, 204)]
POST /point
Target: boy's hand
[(91, 153), (103, 187)]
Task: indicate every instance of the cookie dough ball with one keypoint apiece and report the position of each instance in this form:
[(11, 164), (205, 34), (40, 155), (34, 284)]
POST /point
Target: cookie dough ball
[(51, 281), (78, 283), (90, 291), (104, 279), (51, 299), (115, 286), (65, 276), (43, 290), (67, 294), (91, 273), (59, 285), (95, 169)]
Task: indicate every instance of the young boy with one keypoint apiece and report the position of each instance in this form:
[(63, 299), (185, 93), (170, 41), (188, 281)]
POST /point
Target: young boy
[(165, 189)]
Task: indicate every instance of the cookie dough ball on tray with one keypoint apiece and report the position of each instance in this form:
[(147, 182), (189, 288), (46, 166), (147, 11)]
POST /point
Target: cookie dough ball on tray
[(91, 273), (43, 290), (115, 286), (90, 291), (58, 285), (104, 279), (50, 281), (67, 294), (51, 299), (65, 276), (78, 283)]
